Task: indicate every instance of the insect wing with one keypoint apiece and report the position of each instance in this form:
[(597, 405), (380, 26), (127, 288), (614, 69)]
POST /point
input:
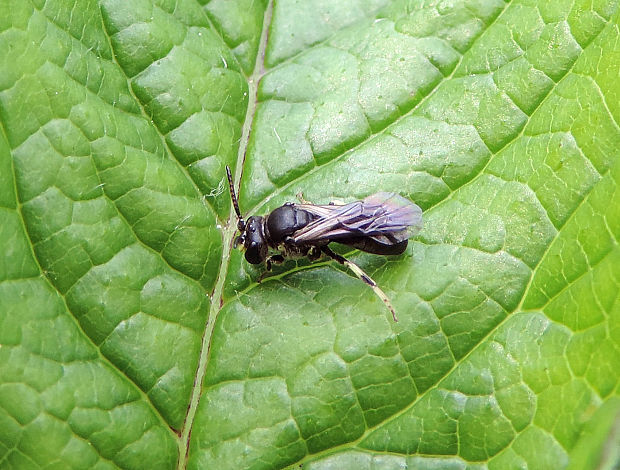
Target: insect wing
[(329, 223), (391, 214), (387, 217)]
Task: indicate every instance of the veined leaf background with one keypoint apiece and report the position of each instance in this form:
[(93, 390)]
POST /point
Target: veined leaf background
[(132, 335)]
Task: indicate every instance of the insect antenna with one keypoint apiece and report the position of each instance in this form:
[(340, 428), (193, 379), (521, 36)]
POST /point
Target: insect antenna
[(241, 222)]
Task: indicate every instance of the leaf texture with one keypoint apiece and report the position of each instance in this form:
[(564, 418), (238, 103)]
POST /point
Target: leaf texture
[(133, 336)]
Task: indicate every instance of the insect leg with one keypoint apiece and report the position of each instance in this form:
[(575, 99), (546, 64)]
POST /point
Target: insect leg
[(314, 253), (277, 259), (300, 196), (361, 275)]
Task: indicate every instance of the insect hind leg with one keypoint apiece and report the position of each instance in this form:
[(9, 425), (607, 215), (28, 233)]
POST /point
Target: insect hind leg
[(362, 276)]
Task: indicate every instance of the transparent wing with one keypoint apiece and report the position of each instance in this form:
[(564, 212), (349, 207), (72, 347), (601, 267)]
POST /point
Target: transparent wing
[(387, 217)]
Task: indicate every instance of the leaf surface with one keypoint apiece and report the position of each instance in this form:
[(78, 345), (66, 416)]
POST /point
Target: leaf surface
[(132, 335)]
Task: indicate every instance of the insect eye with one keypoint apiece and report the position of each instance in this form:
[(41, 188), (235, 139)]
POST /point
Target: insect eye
[(253, 253)]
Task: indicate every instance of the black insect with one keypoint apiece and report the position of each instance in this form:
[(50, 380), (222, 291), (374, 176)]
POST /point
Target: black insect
[(379, 224)]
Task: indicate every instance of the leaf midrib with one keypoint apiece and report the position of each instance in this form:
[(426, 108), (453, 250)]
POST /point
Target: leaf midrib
[(227, 239)]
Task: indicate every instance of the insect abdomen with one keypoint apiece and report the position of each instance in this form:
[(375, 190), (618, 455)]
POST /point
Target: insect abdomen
[(372, 246)]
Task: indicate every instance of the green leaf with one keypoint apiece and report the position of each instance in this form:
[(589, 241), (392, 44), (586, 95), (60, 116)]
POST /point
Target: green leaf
[(132, 334)]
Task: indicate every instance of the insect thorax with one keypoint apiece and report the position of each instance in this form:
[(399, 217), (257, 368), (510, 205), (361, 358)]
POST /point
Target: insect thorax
[(284, 221)]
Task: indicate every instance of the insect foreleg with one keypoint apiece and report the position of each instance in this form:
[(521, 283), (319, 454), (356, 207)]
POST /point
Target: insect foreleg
[(274, 259), (363, 276), (277, 259)]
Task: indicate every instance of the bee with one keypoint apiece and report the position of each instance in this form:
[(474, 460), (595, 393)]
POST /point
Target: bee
[(380, 224)]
